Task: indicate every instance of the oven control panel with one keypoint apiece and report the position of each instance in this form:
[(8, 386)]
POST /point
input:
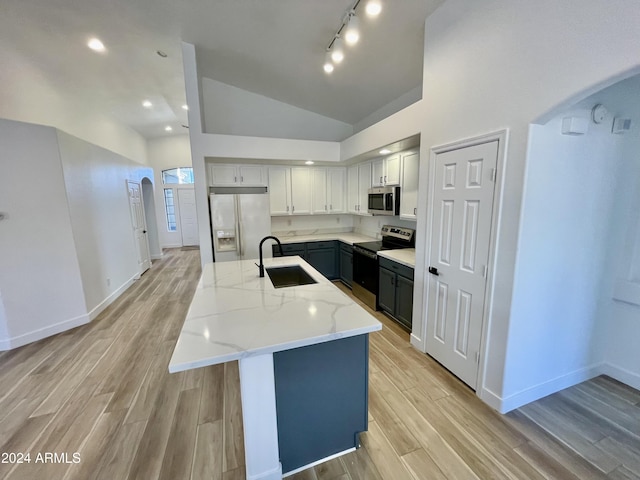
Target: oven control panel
[(405, 234)]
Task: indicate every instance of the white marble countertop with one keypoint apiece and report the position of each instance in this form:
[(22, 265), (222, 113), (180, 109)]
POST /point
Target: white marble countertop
[(405, 256), (346, 237), (236, 314)]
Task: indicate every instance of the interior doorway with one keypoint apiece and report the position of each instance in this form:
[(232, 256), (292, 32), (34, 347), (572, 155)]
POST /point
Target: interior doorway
[(150, 218), (139, 226)]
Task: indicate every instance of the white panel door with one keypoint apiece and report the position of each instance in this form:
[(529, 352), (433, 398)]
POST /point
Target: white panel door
[(459, 252), (139, 226), (188, 217)]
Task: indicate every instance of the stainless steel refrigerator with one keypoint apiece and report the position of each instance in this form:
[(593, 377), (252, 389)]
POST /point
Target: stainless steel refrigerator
[(240, 218)]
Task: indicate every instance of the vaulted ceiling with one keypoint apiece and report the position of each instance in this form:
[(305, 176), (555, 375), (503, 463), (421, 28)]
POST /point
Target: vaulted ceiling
[(271, 47)]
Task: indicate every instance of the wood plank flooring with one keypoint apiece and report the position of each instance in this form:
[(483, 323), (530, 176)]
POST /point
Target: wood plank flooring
[(103, 391)]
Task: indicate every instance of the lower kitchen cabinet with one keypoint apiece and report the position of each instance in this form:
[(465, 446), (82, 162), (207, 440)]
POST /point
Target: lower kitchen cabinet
[(321, 399), (395, 290), (346, 263), (323, 255)]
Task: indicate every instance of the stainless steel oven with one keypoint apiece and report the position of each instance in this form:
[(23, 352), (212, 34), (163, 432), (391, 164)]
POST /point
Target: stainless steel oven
[(384, 201), (365, 261)]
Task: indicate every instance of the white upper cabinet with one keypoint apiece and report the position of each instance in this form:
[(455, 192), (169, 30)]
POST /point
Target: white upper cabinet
[(386, 171), (300, 190), (358, 184), (336, 189), (236, 175), (279, 190), (290, 190), (329, 190), (409, 186), (319, 203)]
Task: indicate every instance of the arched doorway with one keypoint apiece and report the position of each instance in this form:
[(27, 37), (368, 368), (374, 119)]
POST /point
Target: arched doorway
[(150, 218)]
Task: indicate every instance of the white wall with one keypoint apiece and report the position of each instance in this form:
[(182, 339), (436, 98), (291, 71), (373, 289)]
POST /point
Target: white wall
[(29, 96), (230, 110), (505, 63), (570, 195), (40, 277), (166, 153), (96, 189), (620, 310), (400, 103)]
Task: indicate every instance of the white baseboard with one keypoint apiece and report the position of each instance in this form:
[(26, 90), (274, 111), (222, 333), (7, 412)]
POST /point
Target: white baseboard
[(157, 257), (171, 245), (622, 375), (97, 310), (34, 336), (418, 343), (528, 395)]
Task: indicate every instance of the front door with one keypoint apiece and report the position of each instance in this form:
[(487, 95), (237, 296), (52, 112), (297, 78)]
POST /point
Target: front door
[(188, 219), (139, 226), (459, 252)]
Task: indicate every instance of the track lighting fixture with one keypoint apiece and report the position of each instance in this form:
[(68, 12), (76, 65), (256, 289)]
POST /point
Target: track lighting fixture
[(348, 32), (352, 33), (337, 52)]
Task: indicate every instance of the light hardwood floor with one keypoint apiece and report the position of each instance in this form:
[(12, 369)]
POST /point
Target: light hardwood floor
[(103, 390)]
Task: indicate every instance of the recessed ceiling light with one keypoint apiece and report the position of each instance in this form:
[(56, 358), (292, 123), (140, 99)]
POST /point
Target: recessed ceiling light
[(309, 162), (185, 107), (373, 8), (168, 128), (96, 45), (147, 104), (384, 151)]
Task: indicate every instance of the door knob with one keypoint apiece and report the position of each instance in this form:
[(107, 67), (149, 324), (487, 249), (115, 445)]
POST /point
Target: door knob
[(433, 271)]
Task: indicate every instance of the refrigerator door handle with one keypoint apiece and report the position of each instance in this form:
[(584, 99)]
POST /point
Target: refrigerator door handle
[(239, 229)]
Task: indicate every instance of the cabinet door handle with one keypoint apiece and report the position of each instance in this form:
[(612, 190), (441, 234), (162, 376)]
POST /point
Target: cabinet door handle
[(391, 280), (293, 209), (380, 179), (287, 208), (325, 208), (241, 178), (235, 179), (414, 211), (330, 207), (385, 179)]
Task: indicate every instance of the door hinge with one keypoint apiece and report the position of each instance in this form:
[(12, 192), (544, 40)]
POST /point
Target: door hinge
[(484, 271), (477, 357), (493, 174)]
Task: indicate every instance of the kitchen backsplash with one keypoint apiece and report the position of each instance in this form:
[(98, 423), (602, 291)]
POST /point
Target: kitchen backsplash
[(371, 226), (295, 225)]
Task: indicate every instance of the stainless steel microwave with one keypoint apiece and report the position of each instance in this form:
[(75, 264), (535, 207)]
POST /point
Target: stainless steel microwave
[(384, 201)]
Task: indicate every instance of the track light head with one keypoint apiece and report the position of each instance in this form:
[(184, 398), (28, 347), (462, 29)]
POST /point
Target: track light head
[(352, 32)]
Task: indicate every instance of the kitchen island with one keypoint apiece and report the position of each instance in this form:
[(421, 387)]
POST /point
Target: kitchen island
[(303, 357)]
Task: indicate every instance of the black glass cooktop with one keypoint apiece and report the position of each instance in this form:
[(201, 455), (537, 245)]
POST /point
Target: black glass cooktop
[(375, 246)]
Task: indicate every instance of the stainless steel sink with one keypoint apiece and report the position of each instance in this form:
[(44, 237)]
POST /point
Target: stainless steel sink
[(289, 276)]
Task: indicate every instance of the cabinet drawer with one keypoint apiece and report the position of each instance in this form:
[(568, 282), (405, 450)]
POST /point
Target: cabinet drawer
[(321, 245), (396, 267), (289, 249)]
